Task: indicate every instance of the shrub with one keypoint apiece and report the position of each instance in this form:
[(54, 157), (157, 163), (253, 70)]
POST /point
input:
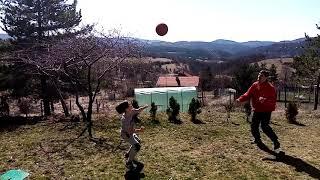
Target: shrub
[(216, 93), (292, 112), (247, 110), (129, 92), (229, 108), (135, 105), (153, 112), (173, 110), (24, 106), (4, 106), (194, 109)]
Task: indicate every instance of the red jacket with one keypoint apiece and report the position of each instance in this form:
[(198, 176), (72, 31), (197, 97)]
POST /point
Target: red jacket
[(265, 90)]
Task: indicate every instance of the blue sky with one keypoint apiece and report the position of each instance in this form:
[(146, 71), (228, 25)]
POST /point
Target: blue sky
[(207, 20)]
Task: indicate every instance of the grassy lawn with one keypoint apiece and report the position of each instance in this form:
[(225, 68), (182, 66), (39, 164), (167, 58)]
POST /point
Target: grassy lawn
[(215, 150)]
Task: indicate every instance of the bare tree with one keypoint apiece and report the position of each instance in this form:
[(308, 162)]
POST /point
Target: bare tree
[(34, 63), (285, 76), (139, 71), (81, 63), (85, 61)]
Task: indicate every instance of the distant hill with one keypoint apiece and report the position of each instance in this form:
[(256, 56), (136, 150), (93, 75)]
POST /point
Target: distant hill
[(218, 50), (254, 44), (276, 50), (280, 63), (4, 36), (223, 49)]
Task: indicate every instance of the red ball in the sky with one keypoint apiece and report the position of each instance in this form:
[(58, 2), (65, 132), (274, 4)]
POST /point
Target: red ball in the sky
[(162, 29)]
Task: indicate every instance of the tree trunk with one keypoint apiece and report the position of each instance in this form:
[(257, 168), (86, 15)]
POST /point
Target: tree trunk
[(91, 101), (89, 117), (45, 97), (98, 105), (285, 96), (41, 108), (52, 106), (84, 117), (70, 105), (65, 107), (63, 103), (310, 91), (294, 93), (285, 89), (316, 98), (202, 97)]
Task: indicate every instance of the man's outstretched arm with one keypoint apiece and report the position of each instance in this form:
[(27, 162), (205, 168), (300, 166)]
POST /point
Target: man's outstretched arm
[(246, 96)]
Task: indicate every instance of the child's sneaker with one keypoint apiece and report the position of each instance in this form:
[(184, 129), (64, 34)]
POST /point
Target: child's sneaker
[(137, 163), (126, 155), (129, 165)]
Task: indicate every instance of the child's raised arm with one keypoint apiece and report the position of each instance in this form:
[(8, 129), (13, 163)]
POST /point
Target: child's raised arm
[(139, 110)]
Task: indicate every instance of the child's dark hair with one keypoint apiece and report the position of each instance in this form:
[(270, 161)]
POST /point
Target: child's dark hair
[(122, 107), (265, 73)]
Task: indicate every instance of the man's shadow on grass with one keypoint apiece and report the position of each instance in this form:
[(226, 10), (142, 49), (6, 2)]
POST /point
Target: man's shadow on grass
[(297, 123), (299, 164)]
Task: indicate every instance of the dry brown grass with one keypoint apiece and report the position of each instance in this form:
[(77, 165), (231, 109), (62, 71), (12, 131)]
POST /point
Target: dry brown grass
[(215, 150), (279, 63), (174, 67)]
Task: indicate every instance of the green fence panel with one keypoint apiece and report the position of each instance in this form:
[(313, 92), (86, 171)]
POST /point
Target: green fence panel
[(187, 97), (160, 100), (161, 96)]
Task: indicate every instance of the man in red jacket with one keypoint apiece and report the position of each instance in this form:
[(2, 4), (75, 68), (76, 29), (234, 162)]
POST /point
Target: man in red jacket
[(263, 97)]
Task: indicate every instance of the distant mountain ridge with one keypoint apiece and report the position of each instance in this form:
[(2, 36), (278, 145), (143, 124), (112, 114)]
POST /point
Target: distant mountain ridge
[(4, 36), (222, 49)]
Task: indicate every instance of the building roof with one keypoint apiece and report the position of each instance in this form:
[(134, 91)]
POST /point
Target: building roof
[(164, 81), (184, 74), (162, 90)]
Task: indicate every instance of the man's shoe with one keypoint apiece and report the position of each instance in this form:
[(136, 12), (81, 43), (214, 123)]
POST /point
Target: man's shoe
[(258, 142), (276, 146)]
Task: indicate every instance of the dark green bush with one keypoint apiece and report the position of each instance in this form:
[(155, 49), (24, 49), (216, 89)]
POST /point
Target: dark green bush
[(173, 110), (135, 105), (247, 110), (291, 112), (153, 112), (194, 109)]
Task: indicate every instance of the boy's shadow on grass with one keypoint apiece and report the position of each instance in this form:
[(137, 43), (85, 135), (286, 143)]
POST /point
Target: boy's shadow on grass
[(11, 123), (131, 175), (197, 121), (299, 164)]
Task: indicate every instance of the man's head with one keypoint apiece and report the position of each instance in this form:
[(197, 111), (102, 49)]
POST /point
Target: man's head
[(124, 107), (263, 76)]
